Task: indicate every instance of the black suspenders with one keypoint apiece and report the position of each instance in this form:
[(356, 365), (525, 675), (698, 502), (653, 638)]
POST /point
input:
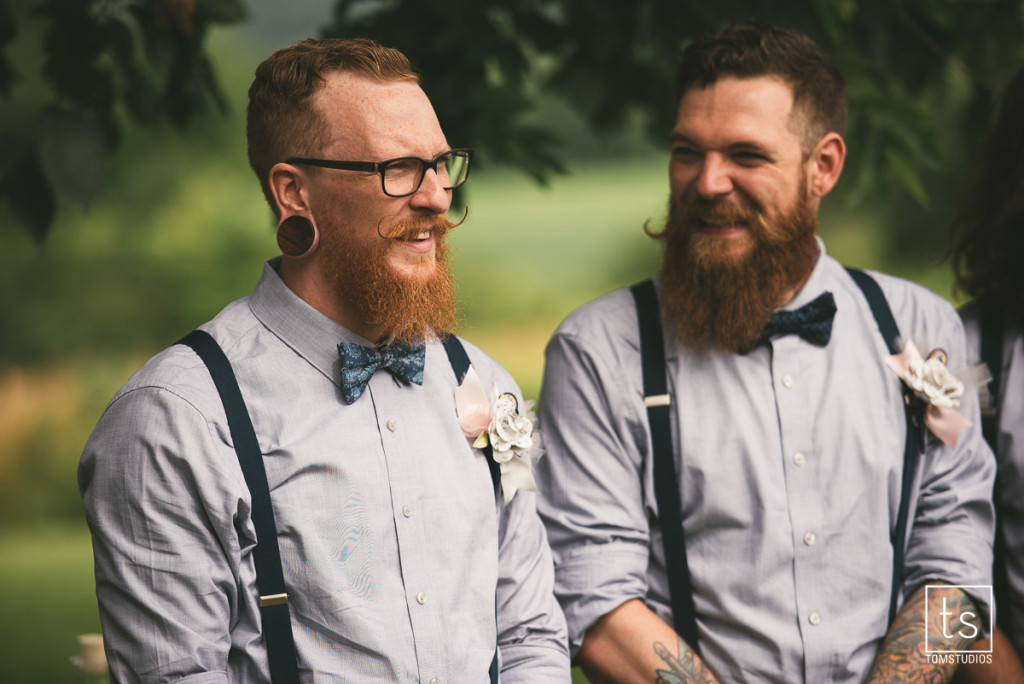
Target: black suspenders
[(277, 628), (913, 415), (666, 481)]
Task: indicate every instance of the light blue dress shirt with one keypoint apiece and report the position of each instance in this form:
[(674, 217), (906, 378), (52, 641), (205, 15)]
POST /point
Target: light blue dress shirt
[(395, 551), (790, 459), (1009, 491)]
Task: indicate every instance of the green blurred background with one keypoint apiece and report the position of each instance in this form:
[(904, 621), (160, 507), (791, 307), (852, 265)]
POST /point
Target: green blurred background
[(180, 228)]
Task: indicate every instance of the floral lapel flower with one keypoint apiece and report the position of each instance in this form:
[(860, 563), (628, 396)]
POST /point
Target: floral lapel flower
[(932, 383), (499, 424)]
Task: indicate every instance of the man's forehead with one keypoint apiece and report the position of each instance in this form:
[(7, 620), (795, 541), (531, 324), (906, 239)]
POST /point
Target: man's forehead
[(753, 106), (363, 114)]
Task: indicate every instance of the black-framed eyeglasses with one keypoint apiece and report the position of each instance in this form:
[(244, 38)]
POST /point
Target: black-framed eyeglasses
[(403, 176)]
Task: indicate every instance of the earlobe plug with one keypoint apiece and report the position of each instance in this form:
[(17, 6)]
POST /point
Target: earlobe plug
[(297, 236)]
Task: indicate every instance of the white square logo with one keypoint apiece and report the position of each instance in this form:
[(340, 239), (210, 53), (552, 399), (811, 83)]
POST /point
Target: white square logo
[(948, 623)]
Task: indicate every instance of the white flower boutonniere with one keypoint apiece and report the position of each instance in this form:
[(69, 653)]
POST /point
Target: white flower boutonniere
[(932, 383), (498, 423)]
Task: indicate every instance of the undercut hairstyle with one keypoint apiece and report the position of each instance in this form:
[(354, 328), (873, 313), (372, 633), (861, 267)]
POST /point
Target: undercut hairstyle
[(752, 49), (988, 235), (281, 119)]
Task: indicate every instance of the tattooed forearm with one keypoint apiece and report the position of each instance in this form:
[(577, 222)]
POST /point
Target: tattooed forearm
[(685, 668), (952, 624)]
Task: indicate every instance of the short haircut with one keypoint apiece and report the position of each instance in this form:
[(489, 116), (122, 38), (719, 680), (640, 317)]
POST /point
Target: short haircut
[(281, 120), (751, 49)]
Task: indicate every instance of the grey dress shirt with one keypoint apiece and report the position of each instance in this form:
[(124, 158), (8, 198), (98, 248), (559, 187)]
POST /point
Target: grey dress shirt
[(395, 551), (790, 459), (1009, 490)]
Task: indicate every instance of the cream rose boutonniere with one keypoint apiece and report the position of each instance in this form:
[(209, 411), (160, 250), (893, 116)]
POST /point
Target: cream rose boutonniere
[(933, 383), (497, 422)]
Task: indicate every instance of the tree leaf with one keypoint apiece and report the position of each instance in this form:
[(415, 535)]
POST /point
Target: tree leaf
[(72, 152)]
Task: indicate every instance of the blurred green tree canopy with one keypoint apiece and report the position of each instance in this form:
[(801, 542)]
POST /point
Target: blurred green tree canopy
[(923, 75)]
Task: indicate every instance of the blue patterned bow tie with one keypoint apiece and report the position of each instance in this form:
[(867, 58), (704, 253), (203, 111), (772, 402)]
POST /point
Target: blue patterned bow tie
[(812, 321), (359, 363)]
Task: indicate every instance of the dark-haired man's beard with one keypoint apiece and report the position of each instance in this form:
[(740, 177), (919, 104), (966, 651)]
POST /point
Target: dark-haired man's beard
[(721, 291), (409, 308)]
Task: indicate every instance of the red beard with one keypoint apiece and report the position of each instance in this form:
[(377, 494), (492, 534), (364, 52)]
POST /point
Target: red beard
[(721, 291), (409, 309)]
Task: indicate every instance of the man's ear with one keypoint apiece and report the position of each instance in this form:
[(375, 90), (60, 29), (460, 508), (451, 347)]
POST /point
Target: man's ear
[(287, 184), (825, 164)]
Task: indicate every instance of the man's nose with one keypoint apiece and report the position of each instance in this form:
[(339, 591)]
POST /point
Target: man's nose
[(714, 179)]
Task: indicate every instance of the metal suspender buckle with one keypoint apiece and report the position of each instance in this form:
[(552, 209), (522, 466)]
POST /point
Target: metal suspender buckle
[(658, 400), (273, 600)]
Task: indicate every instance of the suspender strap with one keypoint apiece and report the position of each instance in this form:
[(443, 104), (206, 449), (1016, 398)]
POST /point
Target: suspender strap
[(277, 628), (914, 440), (459, 360), (991, 324), (666, 482)]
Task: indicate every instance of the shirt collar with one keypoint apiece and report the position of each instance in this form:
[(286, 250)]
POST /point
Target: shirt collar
[(816, 283), (308, 332)]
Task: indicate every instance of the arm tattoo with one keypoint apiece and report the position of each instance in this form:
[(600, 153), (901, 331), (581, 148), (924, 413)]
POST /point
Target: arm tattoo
[(685, 668), (902, 657)]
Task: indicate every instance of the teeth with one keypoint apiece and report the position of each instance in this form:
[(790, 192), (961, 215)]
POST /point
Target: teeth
[(424, 235)]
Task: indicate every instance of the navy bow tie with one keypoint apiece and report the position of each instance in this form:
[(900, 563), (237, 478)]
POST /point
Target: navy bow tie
[(812, 321), (359, 363)]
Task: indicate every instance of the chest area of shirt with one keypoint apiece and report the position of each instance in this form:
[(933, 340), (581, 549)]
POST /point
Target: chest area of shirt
[(786, 421)]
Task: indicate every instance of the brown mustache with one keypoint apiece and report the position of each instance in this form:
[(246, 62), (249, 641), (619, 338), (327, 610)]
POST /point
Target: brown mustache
[(409, 230), (719, 212)]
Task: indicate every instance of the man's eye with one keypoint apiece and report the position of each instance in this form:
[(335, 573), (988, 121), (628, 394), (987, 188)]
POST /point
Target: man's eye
[(404, 166), (750, 158)]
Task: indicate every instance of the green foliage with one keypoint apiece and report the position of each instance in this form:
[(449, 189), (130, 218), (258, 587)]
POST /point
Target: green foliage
[(87, 66), (488, 64)]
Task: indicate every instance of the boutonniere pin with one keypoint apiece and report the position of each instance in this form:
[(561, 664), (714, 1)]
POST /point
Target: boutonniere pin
[(932, 383), (496, 421)]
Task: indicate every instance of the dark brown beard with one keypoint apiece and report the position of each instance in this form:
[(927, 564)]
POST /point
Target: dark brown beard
[(407, 309), (712, 296)]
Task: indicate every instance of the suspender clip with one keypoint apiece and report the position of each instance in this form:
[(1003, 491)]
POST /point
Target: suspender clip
[(658, 400), (273, 600)]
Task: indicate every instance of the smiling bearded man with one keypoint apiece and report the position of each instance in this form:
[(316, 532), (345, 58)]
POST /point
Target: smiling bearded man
[(413, 308), (729, 471), (717, 297), (403, 554)]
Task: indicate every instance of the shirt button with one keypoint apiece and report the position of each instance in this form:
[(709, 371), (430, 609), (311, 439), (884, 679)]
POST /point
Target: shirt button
[(799, 459), (407, 511), (809, 538), (814, 618), (787, 380), (421, 598), (392, 425)]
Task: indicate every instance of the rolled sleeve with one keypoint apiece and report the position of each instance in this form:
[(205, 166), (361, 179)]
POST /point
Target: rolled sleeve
[(952, 535), (531, 631), (590, 481), (531, 626)]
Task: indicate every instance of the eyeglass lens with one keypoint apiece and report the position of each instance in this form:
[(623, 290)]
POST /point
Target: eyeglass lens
[(404, 176)]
